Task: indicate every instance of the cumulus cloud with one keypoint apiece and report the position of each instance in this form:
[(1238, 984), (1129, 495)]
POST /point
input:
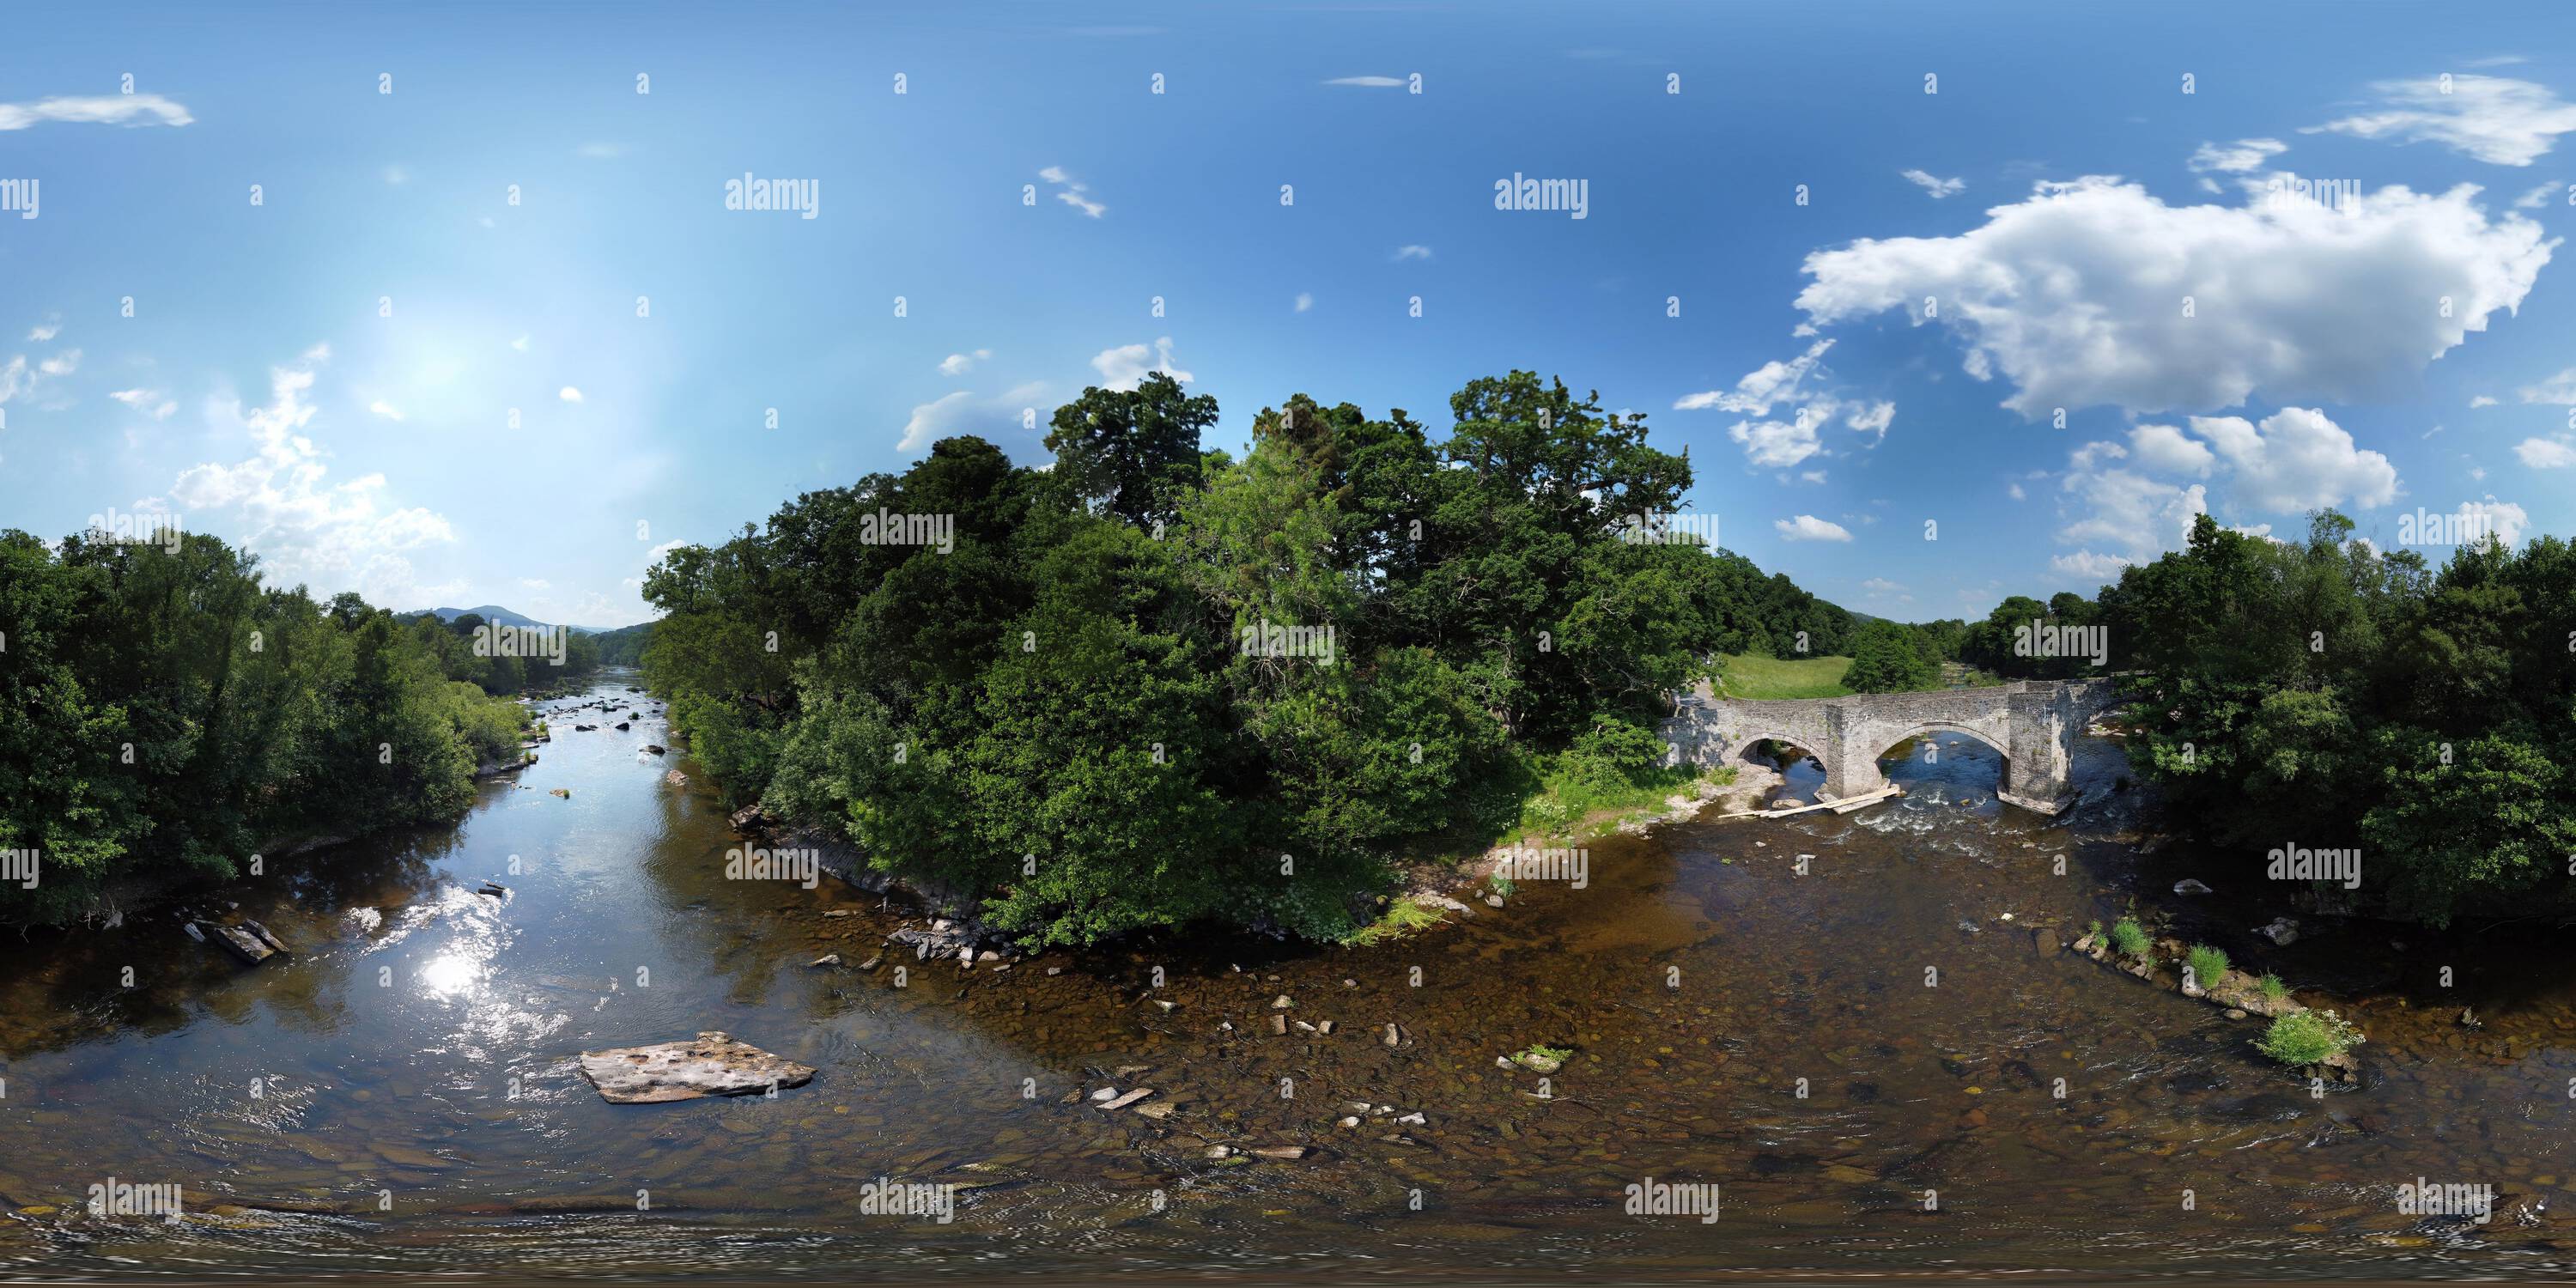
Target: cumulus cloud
[(284, 505), (1126, 366), (2503, 518), (2075, 295), (2296, 459), (2089, 565), (1778, 443), (958, 364), (1934, 184), (1071, 193), (2495, 119), (1305, 301), (568, 394), (105, 109), (2163, 448), (2545, 453), (1807, 527), (967, 413), (2538, 197), (385, 409), (2241, 157), (2481, 401), (1413, 252), (45, 330)]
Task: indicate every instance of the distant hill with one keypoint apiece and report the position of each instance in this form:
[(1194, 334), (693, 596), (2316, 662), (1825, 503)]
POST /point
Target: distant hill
[(500, 616)]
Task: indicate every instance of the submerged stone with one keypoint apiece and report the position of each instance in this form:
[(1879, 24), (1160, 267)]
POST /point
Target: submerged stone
[(713, 1064)]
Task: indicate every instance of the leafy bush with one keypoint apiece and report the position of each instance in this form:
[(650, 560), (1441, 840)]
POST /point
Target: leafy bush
[(2129, 938), (2207, 965), (2307, 1037)]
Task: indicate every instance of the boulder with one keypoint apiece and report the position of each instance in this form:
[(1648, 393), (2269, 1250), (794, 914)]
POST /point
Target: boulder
[(242, 944), (2282, 931), (748, 820), (676, 779), (713, 1064), (2190, 886)]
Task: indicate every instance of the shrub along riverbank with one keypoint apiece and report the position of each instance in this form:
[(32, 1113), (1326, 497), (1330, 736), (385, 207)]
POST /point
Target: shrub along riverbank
[(162, 713)]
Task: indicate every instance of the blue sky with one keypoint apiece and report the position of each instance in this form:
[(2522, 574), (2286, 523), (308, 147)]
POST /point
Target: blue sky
[(1029, 197)]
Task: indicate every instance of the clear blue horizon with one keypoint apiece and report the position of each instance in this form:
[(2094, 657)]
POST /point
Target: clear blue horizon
[(329, 377)]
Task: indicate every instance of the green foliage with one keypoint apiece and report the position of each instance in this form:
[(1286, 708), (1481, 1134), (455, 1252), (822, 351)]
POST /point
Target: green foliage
[(1544, 1055), (2129, 939), (1889, 658), (1402, 917), (2307, 1037), (2207, 965), (2350, 698), (1160, 685), (2273, 989), (163, 714)]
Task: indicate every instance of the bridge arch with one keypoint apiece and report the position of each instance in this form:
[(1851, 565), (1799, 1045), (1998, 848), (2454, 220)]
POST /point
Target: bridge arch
[(1983, 736)]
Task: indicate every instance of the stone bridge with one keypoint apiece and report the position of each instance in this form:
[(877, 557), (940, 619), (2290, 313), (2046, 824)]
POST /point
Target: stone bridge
[(2033, 723)]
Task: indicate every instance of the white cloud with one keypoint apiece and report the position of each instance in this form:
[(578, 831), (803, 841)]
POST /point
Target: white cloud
[(601, 151), (1368, 82), (2075, 295), (2495, 119), (958, 364), (1072, 193), (149, 402), (1776, 444), (2559, 390), (1126, 366), (105, 109), (2164, 449), (2545, 453), (2538, 197), (1934, 184), (385, 409), (2241, 157), (1872, 418), (45, 330), (1413, 252), (2481, 401), (1807, 527), (1773, 381), (2503, 518), (1305, 301), (305, 527), (2296, 459), (2089, 565), (2014, 491), (520, 344), (1881, 586), (61, 364), (963, 412), (568, 394)]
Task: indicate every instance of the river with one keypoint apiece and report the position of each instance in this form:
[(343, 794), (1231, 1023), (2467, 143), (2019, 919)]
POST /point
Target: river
[(405, 1085)]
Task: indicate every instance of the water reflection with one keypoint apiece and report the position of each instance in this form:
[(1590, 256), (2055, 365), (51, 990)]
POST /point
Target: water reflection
[(1735, 1020)]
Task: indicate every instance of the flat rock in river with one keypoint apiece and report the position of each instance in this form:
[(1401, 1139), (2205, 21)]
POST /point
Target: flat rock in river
[(712, 1065)]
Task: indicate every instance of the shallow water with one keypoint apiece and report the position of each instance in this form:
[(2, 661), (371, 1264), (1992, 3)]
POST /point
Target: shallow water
[(410, 1075)]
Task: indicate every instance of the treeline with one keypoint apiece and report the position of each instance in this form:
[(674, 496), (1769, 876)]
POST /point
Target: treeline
[(163, 714), (504, 661), (1154, 684), (2328, 695)]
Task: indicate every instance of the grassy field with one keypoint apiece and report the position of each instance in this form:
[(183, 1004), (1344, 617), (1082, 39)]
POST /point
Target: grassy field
[(1748, 676)]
